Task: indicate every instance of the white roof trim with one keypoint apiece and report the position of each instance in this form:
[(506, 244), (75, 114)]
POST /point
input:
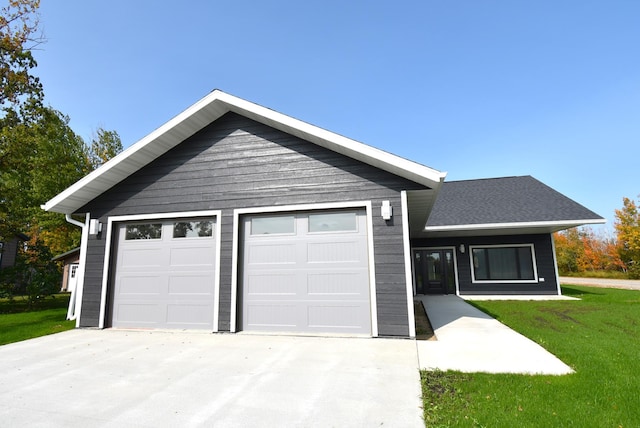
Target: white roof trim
[(561, 224), (207, 110)]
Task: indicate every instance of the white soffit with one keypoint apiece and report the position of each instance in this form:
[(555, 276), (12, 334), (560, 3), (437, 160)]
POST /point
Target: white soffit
[(207, 110), (506, 228)]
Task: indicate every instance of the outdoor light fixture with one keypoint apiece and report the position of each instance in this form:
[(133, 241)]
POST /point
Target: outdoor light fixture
[(462, 248), (95, 226), (386, 211)]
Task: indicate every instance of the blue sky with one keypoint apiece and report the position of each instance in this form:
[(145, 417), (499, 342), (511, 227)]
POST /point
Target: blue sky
[(475, 88)]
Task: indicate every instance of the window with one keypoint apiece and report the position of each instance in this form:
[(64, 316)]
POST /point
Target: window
[(332, 222), (193, 229), (272, 225), (143, 231), (515, 263)]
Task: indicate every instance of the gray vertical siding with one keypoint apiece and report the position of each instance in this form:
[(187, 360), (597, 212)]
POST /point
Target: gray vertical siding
[(238, 163), (544, 260)]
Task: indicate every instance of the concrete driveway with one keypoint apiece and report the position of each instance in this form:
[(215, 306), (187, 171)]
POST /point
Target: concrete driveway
[(115, 378)]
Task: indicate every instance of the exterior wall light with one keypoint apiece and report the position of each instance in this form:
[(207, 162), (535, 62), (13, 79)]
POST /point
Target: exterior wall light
[(461, 248), (95, 226), (386, 211)]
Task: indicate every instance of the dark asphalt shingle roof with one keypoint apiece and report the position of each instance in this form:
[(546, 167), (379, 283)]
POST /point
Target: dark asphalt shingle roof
[(503, 200)]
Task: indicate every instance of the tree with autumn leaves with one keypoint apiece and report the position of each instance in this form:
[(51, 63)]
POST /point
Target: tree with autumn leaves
[(40, 155), (581, 250), (628, 231)]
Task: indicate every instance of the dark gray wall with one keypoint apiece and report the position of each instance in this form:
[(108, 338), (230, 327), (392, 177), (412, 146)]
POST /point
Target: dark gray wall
[(9, 252), (238, 163), (544, 260)]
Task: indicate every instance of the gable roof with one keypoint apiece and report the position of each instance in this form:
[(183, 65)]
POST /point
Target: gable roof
[(201, 114), (504, 205)]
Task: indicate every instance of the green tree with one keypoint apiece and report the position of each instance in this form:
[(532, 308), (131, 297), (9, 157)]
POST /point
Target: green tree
[(104, 145), (40, 158), (627, 226)]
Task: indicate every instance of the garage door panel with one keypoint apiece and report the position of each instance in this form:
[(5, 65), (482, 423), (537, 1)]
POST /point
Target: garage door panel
[(263, 283), (308, 280), (189, 315), (142, 283), (185, 284), (272, 253), (141, 257), (342, 284), (272, 316), (339, 316), (342, 251), (193, 255), (168, 282), (143, 314)]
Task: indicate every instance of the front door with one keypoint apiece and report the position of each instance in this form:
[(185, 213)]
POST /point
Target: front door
[(434, 271)]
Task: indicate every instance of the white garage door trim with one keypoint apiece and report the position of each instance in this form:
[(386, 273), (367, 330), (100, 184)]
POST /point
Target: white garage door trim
[(238, 213), (113, 221)]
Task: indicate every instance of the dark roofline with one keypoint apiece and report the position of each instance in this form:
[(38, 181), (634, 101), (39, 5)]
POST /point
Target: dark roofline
[(63, 255)]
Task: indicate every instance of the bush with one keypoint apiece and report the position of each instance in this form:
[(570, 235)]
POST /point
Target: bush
[(33, 276), (634, 271)]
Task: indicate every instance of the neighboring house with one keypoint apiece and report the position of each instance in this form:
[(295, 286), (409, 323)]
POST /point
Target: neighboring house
[(70, 263), (9, 250), (232, 216)]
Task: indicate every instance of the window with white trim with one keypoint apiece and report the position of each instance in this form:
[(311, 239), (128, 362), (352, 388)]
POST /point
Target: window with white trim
[(503, 263)]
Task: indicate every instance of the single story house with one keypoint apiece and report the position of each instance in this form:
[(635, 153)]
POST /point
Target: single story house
[(232, 216), (70, 262)]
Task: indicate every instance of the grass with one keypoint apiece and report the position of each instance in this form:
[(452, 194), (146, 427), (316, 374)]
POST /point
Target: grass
[(597, 336), (17, 323)]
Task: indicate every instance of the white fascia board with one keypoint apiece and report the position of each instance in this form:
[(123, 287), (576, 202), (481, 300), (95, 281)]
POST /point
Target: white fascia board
[(207, 110), (129, 160), (560, 224)]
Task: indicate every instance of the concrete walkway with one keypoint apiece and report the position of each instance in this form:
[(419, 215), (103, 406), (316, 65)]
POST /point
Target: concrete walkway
[(626, 284), (469, 340)]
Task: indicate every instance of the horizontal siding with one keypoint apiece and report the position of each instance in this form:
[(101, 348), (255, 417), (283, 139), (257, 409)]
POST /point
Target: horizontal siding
[(238, 163), (544, 259)]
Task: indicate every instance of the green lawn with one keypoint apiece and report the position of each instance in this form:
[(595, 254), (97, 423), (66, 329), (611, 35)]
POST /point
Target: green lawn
[(599, 337), (17, 323)]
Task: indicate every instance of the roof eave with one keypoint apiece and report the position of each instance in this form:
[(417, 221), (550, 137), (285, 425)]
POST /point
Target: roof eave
[(514, 227)]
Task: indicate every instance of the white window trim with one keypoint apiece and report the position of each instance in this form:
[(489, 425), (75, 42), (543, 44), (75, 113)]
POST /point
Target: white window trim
[(217, 214), (455, 265), (239, 212), (504, 281)]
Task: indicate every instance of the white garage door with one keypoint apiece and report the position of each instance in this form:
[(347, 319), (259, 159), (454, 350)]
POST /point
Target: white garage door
[(306, 273), (165, 274)]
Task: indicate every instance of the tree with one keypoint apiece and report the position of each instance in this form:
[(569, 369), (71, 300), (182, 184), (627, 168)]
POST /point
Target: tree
[(37, 161), (18, 35), (627, 226), (569, 250), (104, 145), (582, 249)]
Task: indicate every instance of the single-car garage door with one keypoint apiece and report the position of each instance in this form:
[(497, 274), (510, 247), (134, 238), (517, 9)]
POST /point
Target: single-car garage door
[(165, 274), (306, 272)]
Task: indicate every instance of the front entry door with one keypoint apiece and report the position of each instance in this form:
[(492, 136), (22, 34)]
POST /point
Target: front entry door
[(434, 271)]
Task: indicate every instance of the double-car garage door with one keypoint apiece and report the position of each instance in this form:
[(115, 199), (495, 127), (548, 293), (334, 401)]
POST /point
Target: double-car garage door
[(300, 272)]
